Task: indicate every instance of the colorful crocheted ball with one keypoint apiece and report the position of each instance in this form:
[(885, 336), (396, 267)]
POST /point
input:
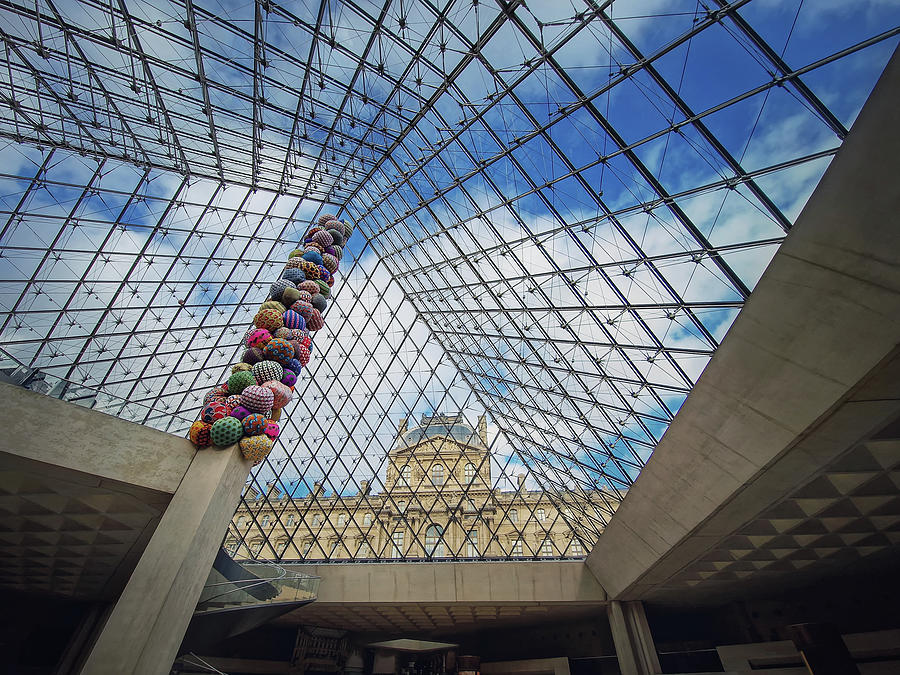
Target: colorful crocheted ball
[(315, 321), (319, 302), (240, 412), (256, 448), (294, 366), (294, 319), (214, 394), (213, 411), (294, 275), (271, 430), (313, 256), (257, 398), (283, 333), (293, 263), (290, 296), (305, 296), (337, 238), (307, 342), (279, 350), (325, 218), (330, 262), (281, 392), (289, 378), (348, 229), (199, 433), (254, 424), (272, 304), (226, 431), (331, 282), (279, 287), (310, 287), (303, 354), (295, 253), (253, 355), (302, 308), (298, 334), (270, 319), (239, 381), (267, 370), (238, 367), (324, 289), (311, 270), (258, 337), (324, 274), (338, 252), (232, 402), (313, 246)]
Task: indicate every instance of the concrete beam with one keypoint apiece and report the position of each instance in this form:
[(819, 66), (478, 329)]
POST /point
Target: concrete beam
[(464, 582), (65, 435), (825, 313)]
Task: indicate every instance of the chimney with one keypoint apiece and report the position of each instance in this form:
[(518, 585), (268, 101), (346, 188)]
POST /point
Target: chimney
[(401, 426), (272, 491), (482, 428), (364, 487), (318, 490), (521, 479)]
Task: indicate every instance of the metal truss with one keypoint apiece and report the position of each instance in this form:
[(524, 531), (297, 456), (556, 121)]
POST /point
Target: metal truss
[(563, 207)]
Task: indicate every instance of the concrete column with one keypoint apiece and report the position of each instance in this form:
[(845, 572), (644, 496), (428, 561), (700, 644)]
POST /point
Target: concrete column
[(633, 640), (147, 624)]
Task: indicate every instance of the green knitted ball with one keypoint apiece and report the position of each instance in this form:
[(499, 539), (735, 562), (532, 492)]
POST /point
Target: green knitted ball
[(237, 381), (226, 431)]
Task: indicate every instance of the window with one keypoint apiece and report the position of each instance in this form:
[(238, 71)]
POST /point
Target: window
[(241, 521), (290, 520), (365, 551), (541, 515), (517, 548), (231, 546), (281, 546), (434, 545), (437, 474), (306, 548), (334, 549), (405, 474), (546, 547), (367, 519), (576, 547), (472, 544), (401, 507), (397, 544), (342, 519), (470, 506), (470, 473), (265, 521), (514, 516), (257, 548), (316, 520)]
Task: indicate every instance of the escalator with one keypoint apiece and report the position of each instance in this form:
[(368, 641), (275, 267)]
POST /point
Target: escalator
[(239, 597)]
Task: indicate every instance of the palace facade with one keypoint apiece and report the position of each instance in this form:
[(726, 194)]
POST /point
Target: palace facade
[(438, 502)]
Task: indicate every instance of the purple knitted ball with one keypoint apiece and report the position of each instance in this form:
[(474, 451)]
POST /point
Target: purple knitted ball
[(257, 398)]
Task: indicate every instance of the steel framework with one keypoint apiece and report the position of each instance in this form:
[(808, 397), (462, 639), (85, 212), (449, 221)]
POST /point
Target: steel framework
[(563, 207)]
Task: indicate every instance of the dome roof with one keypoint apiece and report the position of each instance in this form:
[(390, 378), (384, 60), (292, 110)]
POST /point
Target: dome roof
[(459, 432)]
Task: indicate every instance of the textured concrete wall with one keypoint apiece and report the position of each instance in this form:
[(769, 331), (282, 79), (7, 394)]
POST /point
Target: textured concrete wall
[(824, 314), (48, 430)]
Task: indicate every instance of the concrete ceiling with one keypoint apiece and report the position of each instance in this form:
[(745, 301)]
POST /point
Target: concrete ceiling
[(67, 533)]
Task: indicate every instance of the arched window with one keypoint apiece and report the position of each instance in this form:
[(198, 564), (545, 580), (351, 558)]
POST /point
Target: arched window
[(434, 545), (437, 474), (342, 519), (367, 519), (265, 521), (513, 516), (401, 506), (241, 521), (470, 473), (405, 475), (315, 520)]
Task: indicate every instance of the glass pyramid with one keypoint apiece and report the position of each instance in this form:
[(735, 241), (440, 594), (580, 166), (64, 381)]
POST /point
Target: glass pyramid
[(561, 206)]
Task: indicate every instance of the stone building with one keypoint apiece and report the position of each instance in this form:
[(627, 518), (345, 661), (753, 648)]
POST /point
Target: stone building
[(438, 502)]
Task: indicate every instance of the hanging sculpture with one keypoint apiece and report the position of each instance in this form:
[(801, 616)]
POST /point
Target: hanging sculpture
[(247, 407)]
